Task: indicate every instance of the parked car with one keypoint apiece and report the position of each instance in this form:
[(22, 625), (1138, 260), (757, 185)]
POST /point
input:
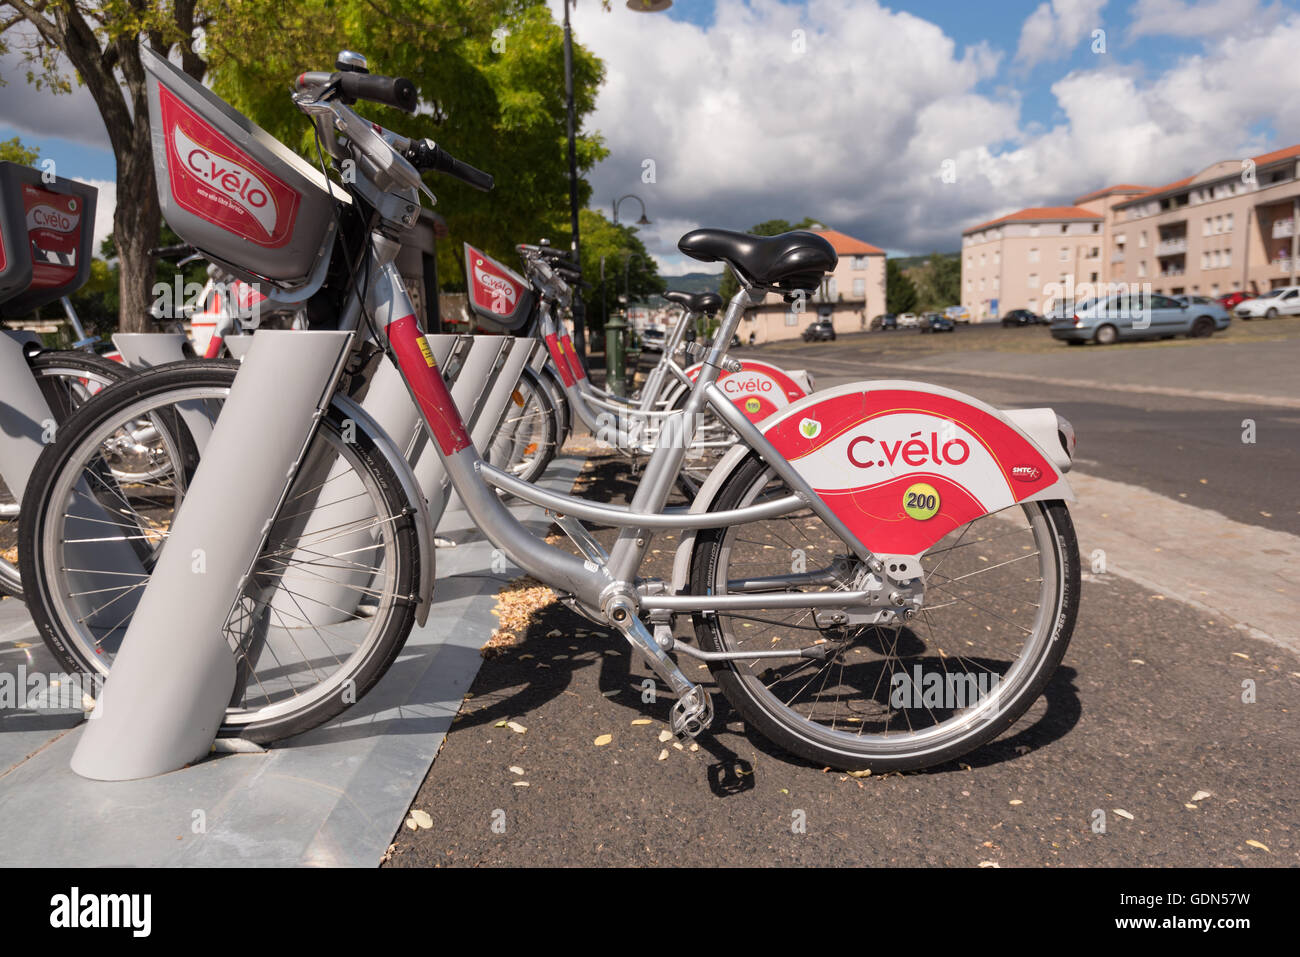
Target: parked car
[(1269, 305), (933, 322), (957, 313), (1230, 300), (652, 339), (1140, 316), (820, 331), (1204, 304), (1023, 317), (907, 320), (885, 321)]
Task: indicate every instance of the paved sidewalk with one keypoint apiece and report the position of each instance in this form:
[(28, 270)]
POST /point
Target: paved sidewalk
[(333, 796)]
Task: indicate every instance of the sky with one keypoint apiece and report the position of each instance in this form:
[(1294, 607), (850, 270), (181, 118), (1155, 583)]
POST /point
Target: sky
[(898, 123)]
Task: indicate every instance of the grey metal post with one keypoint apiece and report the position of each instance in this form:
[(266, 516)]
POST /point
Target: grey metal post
[(26, 423), (175, 673), (143, 350)]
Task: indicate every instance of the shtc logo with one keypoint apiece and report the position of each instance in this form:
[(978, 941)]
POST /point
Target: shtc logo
[(1026, 473), (233, 180), (47, 217), (753, 406), (914, 451)]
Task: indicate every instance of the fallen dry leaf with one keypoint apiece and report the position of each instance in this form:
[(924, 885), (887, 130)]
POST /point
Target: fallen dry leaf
[(642, 721), (1262, 847), (665, 736), (663, 755), (516, 727), (1201, 795), (603, 740), (1123, 813), (518, 605), (422, 819)]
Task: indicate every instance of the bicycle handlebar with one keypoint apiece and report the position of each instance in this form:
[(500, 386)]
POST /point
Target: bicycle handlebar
[(426, 154), (168, 252), (395, 91)]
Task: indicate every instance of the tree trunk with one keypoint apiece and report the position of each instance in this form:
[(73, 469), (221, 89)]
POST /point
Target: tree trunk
[(137, 222)]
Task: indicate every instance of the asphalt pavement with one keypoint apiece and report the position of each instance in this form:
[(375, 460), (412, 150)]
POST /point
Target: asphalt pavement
[(1167, 737)]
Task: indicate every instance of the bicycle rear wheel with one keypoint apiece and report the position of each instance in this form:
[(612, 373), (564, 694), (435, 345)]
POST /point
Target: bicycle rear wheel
[(525, 442), (328, 602), (1001, 595)]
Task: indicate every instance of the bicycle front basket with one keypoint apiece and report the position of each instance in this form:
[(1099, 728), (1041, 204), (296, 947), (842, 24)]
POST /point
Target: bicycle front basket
[(47, 234), (500, 298), (229, 188)]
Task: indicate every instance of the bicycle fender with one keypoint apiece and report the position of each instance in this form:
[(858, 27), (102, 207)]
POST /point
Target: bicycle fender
[(410, 488), (904, 463), (702, 502), (759, 389)]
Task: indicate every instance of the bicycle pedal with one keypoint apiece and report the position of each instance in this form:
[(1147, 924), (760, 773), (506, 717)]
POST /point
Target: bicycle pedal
[(691, 713)]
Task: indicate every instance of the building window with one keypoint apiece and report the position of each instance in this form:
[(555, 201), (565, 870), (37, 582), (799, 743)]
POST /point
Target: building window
[(1033, 255), (859, 262), (997, 281), (1142, 239), (997, 257), (1096, 227), (859, 289), (981, 284), (1064, 229), (1033, 280), (970, 285), (1227, 222), (1092, 277), (1033, 230), (970, 262), (1142, 267), (1065, 254), (983, 259), (1227, 257), (1206, 227)]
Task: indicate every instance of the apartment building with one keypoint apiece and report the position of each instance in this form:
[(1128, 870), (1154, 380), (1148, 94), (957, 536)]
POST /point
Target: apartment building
[(849, 296), (1231, 226)]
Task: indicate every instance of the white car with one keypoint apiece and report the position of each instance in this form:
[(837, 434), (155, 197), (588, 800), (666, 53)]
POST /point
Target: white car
[(907, 320), (1280, 302)]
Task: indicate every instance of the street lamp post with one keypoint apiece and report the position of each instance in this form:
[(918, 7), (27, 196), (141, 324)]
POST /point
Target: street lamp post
[(643, 221), (579, 312)]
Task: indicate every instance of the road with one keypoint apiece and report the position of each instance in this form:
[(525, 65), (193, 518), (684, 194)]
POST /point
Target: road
[(1167, 737)]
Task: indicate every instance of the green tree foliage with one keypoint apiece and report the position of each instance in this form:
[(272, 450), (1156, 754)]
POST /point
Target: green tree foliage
[(937, 281), (771, 227), (491, 78), (900, 293), (13, 151)]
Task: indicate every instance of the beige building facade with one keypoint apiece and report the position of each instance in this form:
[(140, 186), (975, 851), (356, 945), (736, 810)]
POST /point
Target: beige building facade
[(849, 296), (1230, 227)]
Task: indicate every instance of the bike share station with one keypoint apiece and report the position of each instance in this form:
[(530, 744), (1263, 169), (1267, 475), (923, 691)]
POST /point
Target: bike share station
[(146, 780)]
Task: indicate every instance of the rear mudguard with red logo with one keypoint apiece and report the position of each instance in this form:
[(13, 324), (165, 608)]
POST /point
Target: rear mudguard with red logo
[(903, 463), (758, 389)]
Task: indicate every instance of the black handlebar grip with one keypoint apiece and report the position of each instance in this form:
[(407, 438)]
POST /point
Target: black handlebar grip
[(167, 252), (395, 91), (468, 174)]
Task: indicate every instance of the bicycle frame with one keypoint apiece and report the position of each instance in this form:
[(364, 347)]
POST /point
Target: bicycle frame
[(599, 577)]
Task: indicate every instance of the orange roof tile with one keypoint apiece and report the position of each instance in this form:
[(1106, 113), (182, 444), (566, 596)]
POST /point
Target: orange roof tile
[(1119, 188), (1038, 214), (847, 245)]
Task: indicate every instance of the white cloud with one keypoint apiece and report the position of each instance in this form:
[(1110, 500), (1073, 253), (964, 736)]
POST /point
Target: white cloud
[(856, 130), (38, 112), (1209, 18), (1055, 28)]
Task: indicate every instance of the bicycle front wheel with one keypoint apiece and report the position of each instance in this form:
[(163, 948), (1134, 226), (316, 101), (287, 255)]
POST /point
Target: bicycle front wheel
[(328, 603), (1000, 599)]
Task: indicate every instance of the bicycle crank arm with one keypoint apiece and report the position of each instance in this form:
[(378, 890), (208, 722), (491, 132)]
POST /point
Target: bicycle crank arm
[(693, 710)]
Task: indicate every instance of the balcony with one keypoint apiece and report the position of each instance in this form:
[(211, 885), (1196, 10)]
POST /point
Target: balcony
[(1281, 265), (1172, 247), (1116, 258), (1172, 272), (1283, 228)]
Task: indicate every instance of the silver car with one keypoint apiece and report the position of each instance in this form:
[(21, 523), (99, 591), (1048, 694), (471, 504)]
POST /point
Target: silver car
[(1138, 316)]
